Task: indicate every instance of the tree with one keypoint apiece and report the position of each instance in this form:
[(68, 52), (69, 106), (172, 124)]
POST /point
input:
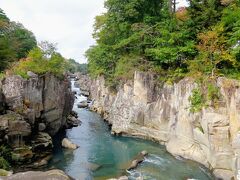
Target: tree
[(213, 52), (15, 41)]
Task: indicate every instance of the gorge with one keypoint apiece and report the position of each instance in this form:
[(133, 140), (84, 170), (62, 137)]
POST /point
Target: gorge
[(157, 96), (100, 155), (140, 108)]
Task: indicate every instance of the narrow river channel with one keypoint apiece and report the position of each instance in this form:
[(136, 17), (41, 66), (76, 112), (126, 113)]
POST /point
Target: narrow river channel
[(102, 156)]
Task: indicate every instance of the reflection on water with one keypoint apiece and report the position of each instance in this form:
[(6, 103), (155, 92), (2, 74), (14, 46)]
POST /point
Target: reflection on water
[(103, 156)]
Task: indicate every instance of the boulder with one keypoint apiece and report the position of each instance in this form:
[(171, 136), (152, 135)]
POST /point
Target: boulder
[(83, 104), (66, 143), (72, 122), (137, 160), (38, 175), (91, 166)]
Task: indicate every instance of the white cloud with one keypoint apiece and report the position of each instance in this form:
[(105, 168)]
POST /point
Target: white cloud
[(65, 22)]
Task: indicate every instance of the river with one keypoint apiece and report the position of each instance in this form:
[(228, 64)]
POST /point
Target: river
[(101, 155)]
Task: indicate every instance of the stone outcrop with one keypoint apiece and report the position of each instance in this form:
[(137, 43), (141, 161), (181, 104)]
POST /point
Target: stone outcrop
[(31, 111), (140, 108), (38, 175), (42, 99), (85, 82)]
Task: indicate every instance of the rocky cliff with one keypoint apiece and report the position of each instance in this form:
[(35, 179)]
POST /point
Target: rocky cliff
[(140, 108), (33, 111)]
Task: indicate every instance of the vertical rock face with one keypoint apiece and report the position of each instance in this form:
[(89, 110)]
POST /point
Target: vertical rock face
[(31, 111), (35, 109), (40, 100), (211, 137)]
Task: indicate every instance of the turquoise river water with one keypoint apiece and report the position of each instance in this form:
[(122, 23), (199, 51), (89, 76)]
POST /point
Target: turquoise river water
[(102, 156)]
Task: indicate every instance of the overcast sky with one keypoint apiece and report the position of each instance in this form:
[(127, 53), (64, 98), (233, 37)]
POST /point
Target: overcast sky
[(69, 23)]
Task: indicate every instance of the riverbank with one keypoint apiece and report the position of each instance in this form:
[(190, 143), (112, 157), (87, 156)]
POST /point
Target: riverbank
[(141, 108)]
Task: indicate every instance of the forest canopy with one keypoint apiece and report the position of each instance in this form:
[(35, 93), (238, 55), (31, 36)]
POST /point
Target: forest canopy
[(20, 52), (152, 35)]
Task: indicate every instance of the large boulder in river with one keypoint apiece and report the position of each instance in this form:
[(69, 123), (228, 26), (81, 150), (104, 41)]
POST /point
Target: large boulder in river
[(137, 160), (66, 143), (38, 175), (45, 98)]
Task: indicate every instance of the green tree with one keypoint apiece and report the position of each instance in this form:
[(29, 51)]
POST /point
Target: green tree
[(15, 41)]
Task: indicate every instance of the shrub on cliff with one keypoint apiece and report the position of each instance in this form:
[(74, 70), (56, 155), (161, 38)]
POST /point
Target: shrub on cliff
[(15, 41), (4, 164), (39, 61)]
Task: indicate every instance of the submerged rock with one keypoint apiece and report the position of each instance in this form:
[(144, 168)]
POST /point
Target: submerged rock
[(38, 175), (91, 166), (137, 160), (66, 143)]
